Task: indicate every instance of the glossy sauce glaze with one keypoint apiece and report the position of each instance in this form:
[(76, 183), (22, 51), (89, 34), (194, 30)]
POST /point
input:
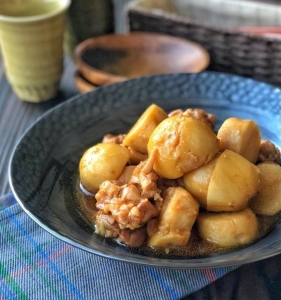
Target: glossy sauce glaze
[(196, 247)]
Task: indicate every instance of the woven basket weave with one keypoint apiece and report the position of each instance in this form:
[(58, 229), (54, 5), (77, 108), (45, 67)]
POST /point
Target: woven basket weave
[(231, 51)]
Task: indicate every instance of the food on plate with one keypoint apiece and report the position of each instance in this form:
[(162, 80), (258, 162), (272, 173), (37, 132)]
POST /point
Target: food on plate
[(197, 181), (173, 183), (240, 136), (269, 152), (104, 161), (135, 156), (178, 214), (198, 114), (139, 134), (267, 201), (232, 172), (128, 203), (228, 229), (228, 171), (181, 144)]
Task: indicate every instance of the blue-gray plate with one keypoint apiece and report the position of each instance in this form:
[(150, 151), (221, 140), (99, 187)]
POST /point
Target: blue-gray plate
[(44, 164)]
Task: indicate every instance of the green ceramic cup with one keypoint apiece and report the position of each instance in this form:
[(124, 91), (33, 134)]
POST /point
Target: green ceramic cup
[(31, 39)]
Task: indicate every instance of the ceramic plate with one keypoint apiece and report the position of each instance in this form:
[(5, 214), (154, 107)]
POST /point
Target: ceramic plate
[(44, 164)]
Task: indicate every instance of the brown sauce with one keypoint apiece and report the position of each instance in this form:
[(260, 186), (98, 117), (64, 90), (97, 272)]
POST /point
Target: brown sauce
[(196, 247)]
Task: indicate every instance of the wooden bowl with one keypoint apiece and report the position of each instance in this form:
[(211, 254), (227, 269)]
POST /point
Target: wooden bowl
[(265, 31), (82, 84), (113, 58)]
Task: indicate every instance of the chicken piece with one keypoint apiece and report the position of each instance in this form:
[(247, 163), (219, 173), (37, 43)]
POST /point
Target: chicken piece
[(164, 183), (133, 215), (115, 139), (133, 238), (125, 204), (106, 225), (177, 217), (199, 114), (269, 152), (129, 204), (152, 226), (145, 179), (109, 189)]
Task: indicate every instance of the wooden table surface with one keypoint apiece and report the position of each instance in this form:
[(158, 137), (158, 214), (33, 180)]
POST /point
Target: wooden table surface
[(259, 281)]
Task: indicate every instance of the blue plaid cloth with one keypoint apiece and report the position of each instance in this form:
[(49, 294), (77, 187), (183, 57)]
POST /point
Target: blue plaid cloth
[(36, 265)]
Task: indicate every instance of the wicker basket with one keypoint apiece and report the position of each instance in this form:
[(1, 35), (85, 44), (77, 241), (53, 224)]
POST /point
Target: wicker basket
[(231, 50)]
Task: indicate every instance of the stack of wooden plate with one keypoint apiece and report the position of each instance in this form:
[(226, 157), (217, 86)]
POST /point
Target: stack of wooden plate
[(113, 58)]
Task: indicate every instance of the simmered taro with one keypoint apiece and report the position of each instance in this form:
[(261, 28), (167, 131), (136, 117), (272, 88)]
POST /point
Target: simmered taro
[(172, 183), (228, 229), (178, 214), (181, 144), (240, 136), (233, 182), (267, 201), (104, 161), (137, 138)]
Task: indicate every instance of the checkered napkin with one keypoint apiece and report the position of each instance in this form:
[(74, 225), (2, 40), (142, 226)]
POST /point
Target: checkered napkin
[(36, 265)]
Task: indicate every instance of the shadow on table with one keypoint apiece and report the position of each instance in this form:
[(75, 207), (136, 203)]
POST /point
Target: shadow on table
[(259, 281)]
